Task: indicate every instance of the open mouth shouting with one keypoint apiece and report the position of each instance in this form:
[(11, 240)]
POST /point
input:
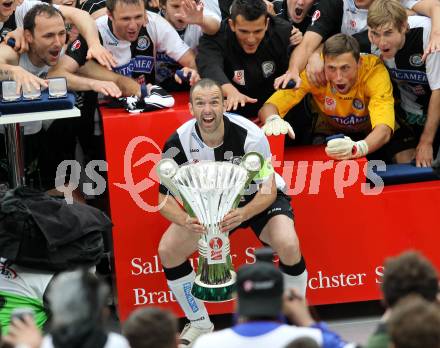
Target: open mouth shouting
[(6, 7), (341, 87), (386, 53), (54, 54), (298, 14), (208, 120)]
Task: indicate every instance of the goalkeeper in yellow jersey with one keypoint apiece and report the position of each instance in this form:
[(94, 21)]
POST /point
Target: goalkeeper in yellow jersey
[(357, 101)]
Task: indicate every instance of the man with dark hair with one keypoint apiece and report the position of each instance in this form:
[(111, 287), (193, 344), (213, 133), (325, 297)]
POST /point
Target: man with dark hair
[(357, 100), (12, 14), (408, 273), (151, 328), (249, 51), (190, 19), (261, 301), (217, 136), (348, 17), (133, 35), (45, 32), (415, 323)]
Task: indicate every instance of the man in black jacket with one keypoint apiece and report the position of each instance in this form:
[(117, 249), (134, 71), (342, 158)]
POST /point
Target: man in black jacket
[(250, 50)]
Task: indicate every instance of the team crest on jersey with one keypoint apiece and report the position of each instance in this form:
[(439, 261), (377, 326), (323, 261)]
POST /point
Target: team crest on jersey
[(316, 16), (353, 24), (7, 272), (239, 77), (268, 68), (236, 160), (330, 103), (416, 60), (75, 45), (357, 104), (143, 43)]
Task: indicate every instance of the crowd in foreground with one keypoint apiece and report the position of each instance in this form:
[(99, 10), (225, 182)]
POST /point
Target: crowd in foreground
[(267, 314)]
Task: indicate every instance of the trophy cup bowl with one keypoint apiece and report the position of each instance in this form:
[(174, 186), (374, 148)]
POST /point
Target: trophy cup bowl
[(209, 190)]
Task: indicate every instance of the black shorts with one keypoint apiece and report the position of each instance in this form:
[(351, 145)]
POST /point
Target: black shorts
[(281, 206)]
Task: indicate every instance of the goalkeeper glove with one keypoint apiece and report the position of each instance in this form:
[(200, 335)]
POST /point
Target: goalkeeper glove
[(345, 148), (275, 125)]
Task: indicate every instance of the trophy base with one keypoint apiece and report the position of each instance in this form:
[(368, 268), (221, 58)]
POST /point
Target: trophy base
[(214, 293)]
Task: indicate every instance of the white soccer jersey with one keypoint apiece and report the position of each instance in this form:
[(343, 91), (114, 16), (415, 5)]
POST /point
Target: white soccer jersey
[(355, 20), (163, 36)]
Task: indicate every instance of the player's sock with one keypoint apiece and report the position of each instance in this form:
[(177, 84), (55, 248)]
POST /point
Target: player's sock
[(295, 276), (180, 280)]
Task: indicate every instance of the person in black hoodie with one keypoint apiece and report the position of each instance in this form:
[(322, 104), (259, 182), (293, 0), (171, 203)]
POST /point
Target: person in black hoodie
[(250, 50)]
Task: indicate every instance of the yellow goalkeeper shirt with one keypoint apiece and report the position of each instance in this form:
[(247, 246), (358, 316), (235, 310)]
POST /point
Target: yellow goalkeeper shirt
[(369, 102)]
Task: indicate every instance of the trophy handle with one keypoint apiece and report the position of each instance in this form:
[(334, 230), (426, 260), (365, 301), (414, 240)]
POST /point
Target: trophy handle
[(252, 161), (187, 207)]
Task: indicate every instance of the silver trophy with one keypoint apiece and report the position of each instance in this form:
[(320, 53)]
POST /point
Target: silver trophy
[(209, 190)]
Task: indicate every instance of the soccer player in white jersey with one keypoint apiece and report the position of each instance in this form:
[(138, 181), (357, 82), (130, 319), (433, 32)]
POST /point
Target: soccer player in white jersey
[(215, 135)]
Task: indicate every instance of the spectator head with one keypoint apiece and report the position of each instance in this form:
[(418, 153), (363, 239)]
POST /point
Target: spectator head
[(45, 31), (341, 62), (172, 11), (387, 25), (206, 105), (298, 9), (151, 328), (415, 323), (77, 298), (260, 289), (409, 273), (303, 342), (128, 17), (249, 21)]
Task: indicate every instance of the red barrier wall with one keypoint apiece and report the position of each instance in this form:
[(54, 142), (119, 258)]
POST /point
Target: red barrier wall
[(345, 235)]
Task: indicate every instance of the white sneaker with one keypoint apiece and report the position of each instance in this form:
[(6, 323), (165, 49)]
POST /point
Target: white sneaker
[(190, 334)]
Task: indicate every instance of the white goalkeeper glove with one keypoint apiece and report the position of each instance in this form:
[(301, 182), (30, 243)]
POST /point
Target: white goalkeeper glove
[(345, 148), (275, 125)]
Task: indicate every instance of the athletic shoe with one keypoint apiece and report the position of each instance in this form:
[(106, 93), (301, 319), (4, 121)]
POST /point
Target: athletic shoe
[(190, 334), (157, 99)]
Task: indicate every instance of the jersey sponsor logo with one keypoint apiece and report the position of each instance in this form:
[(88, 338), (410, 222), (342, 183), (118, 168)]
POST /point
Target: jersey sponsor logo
[(194, 150), (143, 42), (7, 272), (346, 98), (415, 119), (191, 301), (112, 43), (353, 24), (75, 45), (315, 16), (239, 77), (330, 103), (350, 120), (268, 68), (416, 60), (357, 104), (409, 75), (138, 64)]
